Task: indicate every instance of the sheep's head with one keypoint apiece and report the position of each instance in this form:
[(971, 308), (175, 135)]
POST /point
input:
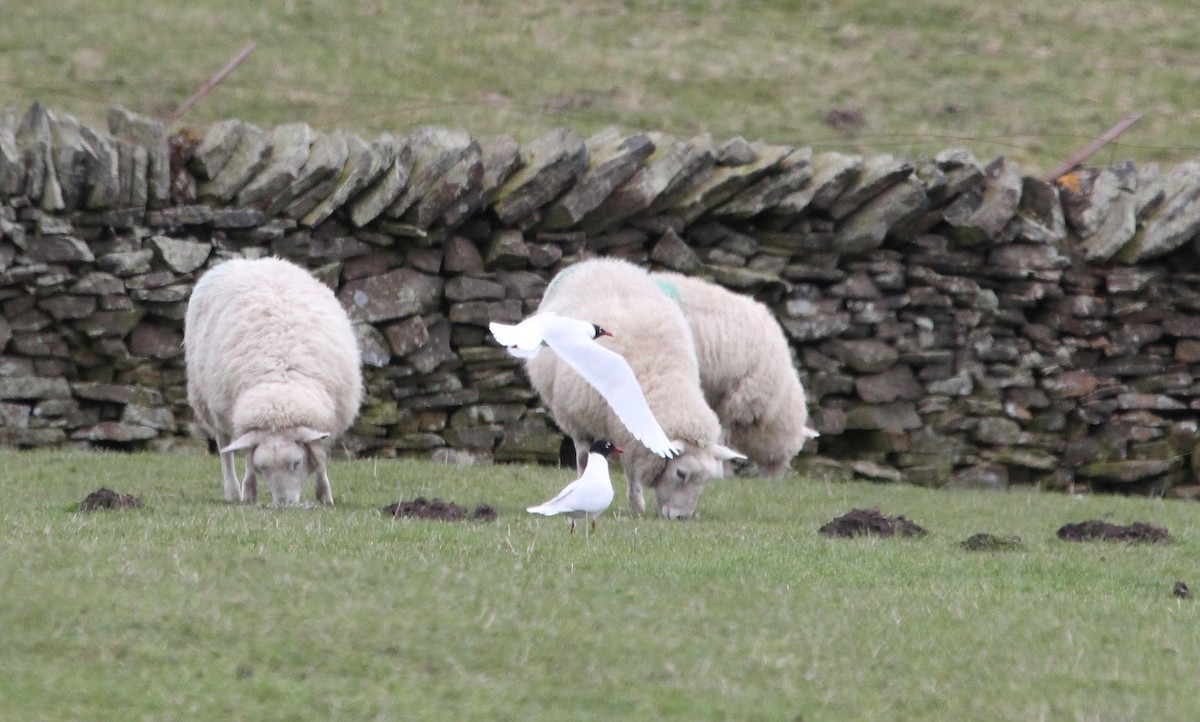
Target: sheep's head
[(283, 459), (677, 487)]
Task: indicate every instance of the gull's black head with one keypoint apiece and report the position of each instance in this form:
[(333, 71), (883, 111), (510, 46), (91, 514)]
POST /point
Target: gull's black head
[(604, 448), (600, 332)]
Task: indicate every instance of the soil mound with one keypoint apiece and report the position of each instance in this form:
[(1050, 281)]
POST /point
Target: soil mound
[(104, 498), (859, 522), (1093, 529), (984, 542), (438, 510)]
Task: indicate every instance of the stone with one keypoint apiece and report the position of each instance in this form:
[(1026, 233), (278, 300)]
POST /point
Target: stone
[(1087, 194), (317, 178), (69, 153), (179, 255), (549, 165), (126, 263), (110, 323), (507, 249), (979, 215), (288, 148), (364, 163), (896, 416), (466, 288), (99, 283), (373, 347), (529, 439), (20, 388), (480, 313), (396, 294), (215, 148), (726, 181), (454, 195), (434, 151), (437, 351), (248, 158), (867, 356), (979, 477), (406, 336), (33, 137), (671, 251), (461, 256), (612, 160), (155, 340), (115, 431), (865, 228), (898, 382), (149, 135), (672, 163), (12, 163), (832, 173), (793, 172), (1123, 472), (522, 285), (1174, 222), (501, 158), (59, 249), (396, 159), (1040, 215), (878, 174), (62, 308)]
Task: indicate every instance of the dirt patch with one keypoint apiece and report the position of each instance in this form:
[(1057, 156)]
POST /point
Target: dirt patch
[(1094, 529), (438, 510), (984, 542), (859, 522), (104, 498)]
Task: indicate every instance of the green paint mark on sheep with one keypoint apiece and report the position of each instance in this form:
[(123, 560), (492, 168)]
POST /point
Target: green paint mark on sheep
[(670, 289)]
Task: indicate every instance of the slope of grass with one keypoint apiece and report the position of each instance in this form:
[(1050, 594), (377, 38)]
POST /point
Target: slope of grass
[(1025, 78), (195, 609)]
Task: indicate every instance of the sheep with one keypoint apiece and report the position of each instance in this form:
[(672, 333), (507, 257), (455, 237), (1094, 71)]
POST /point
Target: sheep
[(649, 330), (746, 371), (273, 369)]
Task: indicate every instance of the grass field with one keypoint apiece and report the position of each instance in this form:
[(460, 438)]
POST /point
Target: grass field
[(1025, 78), (191, 608)]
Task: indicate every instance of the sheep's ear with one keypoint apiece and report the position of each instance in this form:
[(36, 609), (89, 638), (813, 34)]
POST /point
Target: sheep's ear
[(247, 440), (305, 435), (724, 453), (810, 433)]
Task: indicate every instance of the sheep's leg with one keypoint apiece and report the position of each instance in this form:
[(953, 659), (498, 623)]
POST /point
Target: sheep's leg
[(582, 448), (250, 485), (637, 502), (323, 489), (233, 487)]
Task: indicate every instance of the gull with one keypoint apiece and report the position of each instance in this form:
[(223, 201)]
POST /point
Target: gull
[(574, 341), (590, 494)]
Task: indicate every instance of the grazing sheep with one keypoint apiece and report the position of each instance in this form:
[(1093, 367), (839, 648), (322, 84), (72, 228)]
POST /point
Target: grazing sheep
[(746, 371), (273, 369), (649, 330)]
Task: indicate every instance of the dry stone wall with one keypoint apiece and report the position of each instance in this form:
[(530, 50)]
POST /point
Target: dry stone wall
[(956, 323)]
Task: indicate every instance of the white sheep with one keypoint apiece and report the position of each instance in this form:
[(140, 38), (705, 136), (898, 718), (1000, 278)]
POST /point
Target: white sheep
[(746, 371), (649, 330), (273, 369)]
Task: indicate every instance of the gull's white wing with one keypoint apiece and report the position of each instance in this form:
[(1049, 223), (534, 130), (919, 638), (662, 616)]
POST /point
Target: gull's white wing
[(524, 339), (559, 503), (609, 373)]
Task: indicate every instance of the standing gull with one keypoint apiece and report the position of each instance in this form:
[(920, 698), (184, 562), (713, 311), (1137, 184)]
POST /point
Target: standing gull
[(574, 341), (590, 494)]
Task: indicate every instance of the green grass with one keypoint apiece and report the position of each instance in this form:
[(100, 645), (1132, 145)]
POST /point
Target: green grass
[(192, 608), (1025, 78)]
